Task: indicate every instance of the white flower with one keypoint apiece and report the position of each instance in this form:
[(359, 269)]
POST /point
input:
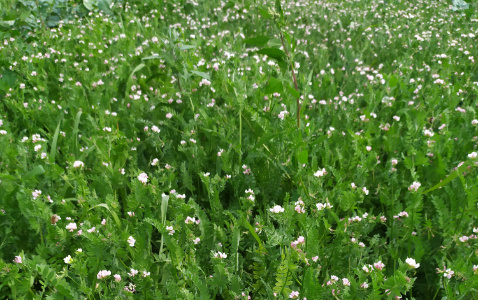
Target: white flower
[(428, 133), (412, 263), (320, 173), (277, 209), (143, 177), (464, 239), (18, 259), (196, 241), (365, 191), (131, 241), (78, 164), (155, 162), (321, 206), (220, 255), (133, 272), (117, 277), (68, 259), (472, 155)]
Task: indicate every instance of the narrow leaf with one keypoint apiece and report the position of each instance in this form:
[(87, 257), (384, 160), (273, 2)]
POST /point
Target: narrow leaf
[(54, 142), (112, 212), (202, 74), (186, 47), (450, 177)]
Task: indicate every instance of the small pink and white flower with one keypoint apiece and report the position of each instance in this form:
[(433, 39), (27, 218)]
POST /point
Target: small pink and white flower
[(131, 241), (117, 277), (414, 186), (294, 295), (412, 263), (103, 274), (71, 227), (277, 209), (143, 177), (133, 272), (320, 173), (170, 229), (345, 282), (78, 164), (220, 255), (379, 265), (36, 194), (18, 259), (68, 259)]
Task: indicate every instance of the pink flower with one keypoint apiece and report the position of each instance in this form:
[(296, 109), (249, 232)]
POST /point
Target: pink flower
[(71, 227), (143, 177), (117, 277), (294, 295), (169, 115), (103, 274), (378, 265), (18, 259)]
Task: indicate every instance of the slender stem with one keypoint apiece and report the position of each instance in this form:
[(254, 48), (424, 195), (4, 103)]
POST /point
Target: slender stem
[(293, 75)]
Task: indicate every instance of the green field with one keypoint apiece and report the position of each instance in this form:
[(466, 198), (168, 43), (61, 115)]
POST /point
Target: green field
[(238, 149)]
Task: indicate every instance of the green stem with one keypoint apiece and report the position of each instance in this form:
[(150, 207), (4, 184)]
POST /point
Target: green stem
[(293, 75)]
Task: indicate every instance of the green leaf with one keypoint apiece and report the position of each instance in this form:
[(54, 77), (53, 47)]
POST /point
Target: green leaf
[(38, 170), (273, 53), (186, 47), (257, 41), (450, 177), (138, 67), (279, 8), (392, 81), (164, 207), (252, 231), (75, 132), (113, 213), (293, 91), (202, 74), (265, 14), (303, 157), (89, 4), (274, 86), (152, 57), (54, 142)]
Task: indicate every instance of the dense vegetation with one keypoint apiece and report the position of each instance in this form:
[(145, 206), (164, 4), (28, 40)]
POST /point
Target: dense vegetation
[(238, 149)]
